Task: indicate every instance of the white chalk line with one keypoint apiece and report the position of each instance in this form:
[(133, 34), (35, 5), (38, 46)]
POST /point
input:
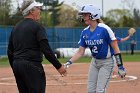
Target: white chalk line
[(129, 78)]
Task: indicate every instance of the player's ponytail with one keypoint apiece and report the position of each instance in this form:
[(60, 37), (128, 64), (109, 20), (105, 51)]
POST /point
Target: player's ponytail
[(99, 21)]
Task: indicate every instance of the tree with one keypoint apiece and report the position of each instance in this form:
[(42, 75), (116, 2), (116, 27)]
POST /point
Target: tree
[(136, 17), (54, 8), (120, 17), (126, 22), (110, 22), (51, 12), (17, 15), (5, 10), (117, 14), (67, 19)]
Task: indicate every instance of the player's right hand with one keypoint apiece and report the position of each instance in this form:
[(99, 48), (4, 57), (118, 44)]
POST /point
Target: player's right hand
[(67, 64), (121, 72), (62, 71)]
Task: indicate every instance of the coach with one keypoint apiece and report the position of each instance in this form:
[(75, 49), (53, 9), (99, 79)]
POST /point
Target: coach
[(27, 44)]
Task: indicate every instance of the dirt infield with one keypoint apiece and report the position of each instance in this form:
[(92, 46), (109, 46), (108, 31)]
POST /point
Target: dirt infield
[(76, 80)]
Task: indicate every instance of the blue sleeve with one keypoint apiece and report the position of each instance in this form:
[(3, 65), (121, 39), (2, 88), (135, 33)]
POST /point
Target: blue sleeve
[(118, 39), (82, 41)]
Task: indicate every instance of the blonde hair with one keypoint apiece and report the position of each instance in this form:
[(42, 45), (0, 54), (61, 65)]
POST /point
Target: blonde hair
[(99, 20)]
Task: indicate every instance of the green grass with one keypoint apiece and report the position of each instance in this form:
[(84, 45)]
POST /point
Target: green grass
[(131, 58), (126, 58), (4, 62)]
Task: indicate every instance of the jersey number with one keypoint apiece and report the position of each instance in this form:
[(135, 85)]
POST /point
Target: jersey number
[(94, 49)]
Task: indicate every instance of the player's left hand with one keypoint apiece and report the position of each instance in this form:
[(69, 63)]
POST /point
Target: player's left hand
[(121, 72)]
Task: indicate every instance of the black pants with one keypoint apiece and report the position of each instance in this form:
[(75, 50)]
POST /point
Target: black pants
[(132, 49), (30, 76)]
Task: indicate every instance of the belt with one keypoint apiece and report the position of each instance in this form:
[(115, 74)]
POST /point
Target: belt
[(103, 58)]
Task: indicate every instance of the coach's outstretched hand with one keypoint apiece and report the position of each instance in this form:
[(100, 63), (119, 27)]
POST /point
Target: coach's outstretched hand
[(121, 72), (62, 71), (67, 64)]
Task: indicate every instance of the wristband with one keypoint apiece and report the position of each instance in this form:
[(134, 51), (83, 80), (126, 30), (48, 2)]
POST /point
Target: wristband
[(67, 64), (119, 59), (70, 62), (121, 67)]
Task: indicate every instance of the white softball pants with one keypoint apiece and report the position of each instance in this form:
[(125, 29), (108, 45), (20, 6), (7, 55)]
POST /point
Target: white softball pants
[(100, 72)]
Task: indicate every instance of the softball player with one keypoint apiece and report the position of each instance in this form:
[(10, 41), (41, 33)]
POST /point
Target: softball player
[(27, 44), (101, 41)]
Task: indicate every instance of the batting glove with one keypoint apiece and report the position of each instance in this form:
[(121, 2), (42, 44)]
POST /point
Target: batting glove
[(121, 72), (67, 64)]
